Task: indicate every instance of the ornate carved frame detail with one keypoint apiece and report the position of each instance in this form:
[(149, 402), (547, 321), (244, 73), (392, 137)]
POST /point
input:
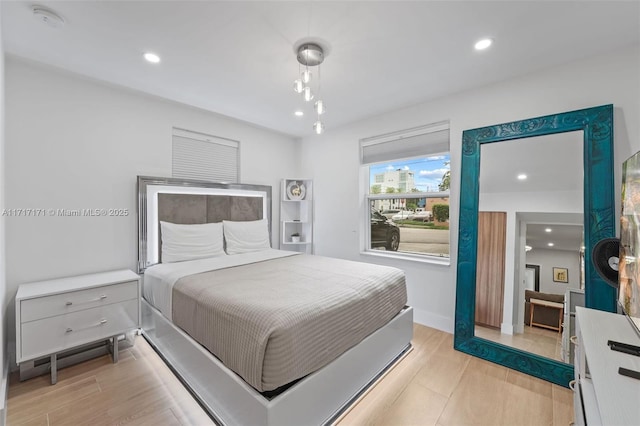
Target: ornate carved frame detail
[(599, 223)]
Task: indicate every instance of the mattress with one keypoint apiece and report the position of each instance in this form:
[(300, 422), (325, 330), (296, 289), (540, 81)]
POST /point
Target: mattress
[(158, 280), (279, 318)]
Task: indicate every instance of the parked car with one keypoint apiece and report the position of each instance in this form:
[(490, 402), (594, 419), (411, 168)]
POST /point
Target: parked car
[(384, 233), (402, 215), (389, 213), (423, 216)]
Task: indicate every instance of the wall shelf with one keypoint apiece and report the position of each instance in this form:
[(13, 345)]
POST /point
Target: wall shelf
[(296, 214)]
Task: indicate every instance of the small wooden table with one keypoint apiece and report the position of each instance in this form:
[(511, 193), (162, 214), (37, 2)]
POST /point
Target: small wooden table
[(554, 305)]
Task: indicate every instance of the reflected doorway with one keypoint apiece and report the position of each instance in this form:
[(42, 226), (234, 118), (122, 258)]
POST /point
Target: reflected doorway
[(532, 277)]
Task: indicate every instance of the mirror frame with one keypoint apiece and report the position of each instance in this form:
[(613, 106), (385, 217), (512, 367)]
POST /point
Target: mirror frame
[(599, 223)]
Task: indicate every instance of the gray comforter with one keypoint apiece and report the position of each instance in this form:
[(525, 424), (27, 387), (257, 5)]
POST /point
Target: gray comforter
[(276, 321)]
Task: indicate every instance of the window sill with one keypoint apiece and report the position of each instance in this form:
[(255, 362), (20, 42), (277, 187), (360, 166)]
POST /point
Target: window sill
[(444, 261)]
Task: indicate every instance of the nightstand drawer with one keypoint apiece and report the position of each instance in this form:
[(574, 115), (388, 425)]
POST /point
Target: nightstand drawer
[(51, 335), (60, 304)]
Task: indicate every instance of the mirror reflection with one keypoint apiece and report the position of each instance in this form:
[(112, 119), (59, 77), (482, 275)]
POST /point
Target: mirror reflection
[(529, 274)]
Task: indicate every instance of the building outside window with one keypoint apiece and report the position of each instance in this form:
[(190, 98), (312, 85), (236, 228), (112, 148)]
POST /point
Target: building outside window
[(408, 196)]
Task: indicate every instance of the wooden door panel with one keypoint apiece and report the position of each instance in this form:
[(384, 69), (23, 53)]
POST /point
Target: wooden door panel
[(492, 228)]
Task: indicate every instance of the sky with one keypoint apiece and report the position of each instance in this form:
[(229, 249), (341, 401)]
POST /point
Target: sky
[(427, 172)]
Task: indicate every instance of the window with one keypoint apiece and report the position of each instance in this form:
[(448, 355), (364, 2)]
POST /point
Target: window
[(407, 191), (200, 156)]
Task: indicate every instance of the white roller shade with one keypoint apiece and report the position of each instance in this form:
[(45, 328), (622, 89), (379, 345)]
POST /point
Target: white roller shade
[(422, 141), (200, 156)]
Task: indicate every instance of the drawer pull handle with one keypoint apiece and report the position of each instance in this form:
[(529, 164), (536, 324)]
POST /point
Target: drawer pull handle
[(574, 340), (97, 299), (102, 322), (572, 385)]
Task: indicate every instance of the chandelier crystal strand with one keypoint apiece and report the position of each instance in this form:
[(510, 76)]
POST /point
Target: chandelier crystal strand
[(297, 84), (307, 94), (319, 107), (306, 74), (306, 77)]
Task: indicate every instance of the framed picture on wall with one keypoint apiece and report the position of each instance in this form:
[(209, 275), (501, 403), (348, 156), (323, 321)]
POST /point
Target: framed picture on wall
[(560, 275)]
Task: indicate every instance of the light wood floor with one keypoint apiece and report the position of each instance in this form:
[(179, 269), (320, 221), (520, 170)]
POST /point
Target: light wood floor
[(541, 341), (433, 385)]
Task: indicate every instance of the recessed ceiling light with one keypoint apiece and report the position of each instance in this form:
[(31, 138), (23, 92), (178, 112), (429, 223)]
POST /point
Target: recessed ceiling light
[(550, 244), (298, 113), (547, 230), (522, 176), (483, 44), (152, 57)]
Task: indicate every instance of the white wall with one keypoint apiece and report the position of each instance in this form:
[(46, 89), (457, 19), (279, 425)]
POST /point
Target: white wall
[(548, 259), (3, 308), (332, 160), (76, 143)]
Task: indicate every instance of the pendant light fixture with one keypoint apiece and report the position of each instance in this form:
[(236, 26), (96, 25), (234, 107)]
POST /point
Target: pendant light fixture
[(310, 55)]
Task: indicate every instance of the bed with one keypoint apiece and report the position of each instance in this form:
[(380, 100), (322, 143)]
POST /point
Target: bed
[(260, 336)]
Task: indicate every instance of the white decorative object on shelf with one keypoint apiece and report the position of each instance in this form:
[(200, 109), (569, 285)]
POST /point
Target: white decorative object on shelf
[(296, 215), (57, 315), (296, 190)]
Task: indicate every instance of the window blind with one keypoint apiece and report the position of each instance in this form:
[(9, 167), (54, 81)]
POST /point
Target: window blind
[(420, 141), (200, 156)]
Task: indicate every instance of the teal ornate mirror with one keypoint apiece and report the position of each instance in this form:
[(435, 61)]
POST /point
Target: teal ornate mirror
[(598, 221)]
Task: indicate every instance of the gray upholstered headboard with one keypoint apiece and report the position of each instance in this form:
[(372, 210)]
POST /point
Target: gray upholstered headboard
[(192, 201), (201, 208)]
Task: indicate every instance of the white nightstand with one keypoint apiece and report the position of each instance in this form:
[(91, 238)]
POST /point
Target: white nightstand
[(57, 315)]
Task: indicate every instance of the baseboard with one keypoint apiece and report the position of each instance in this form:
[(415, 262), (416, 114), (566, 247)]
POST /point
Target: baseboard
[(438, 322), (11, 355), (506, 328)]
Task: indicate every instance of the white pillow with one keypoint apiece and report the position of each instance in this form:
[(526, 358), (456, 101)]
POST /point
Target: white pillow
[(245, 237), (190, 242)]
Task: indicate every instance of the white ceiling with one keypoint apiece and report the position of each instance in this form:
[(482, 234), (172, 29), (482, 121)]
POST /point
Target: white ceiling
[(551, 163), (563, 237), (237, 58), (567, 232)]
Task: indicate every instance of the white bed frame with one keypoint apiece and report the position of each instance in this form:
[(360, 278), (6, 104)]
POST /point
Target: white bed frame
[(318, 399)]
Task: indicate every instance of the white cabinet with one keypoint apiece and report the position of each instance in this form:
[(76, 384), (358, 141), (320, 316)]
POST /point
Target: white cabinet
[(57, 315), (296, 215), (573, 297), (602, 395)]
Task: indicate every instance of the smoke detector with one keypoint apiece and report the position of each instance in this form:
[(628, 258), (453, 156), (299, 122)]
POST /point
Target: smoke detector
[(47, 16)]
